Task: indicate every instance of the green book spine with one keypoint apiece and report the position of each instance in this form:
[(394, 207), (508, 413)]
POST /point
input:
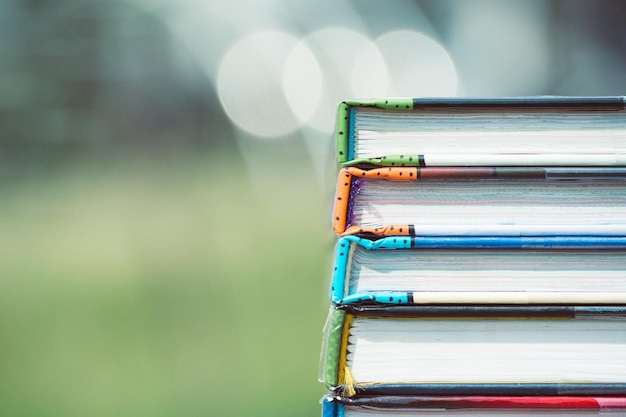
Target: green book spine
[(343, 128), (332, 348)]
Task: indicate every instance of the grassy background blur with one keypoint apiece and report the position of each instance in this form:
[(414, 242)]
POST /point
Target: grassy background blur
[(161, 288)]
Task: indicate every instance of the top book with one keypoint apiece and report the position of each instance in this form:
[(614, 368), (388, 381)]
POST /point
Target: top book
[(514, 131)]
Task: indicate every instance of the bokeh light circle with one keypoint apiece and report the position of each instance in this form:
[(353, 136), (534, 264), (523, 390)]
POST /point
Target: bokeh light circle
[(249, 84), (335, 50), (370, 77), (303, 82), (417, 65)]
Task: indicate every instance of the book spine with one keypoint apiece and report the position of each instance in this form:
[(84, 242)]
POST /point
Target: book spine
[(343, 133), (499, 389), (331, 407), (340, 271), (505, 305), (344, 122), (465, 402), (352, 179), (348, 183), (333, 347), (382, 243), (520, 242), (343, 262), (478, 312), (539, 103), (341, 207)]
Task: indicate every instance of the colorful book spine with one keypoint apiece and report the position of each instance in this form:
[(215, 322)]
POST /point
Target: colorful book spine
[(480, 262), (588, 340), (480, 270), (486, 111), (428, 406), (413, 201)]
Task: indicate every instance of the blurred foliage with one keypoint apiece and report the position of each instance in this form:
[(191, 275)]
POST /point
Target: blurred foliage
[(142, 272), (159, 289), (90, 78)]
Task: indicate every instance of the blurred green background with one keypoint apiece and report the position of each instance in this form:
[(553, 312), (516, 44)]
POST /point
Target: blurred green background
[(166, 174)]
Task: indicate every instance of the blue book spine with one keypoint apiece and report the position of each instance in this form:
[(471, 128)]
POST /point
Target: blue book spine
[(331, 408), (342, 255), (339, 294)]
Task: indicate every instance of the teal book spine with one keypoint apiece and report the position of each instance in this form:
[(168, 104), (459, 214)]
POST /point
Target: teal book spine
[(395, 270), (331, 407)]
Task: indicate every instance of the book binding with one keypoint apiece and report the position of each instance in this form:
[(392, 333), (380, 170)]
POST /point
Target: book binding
[(346, 131)]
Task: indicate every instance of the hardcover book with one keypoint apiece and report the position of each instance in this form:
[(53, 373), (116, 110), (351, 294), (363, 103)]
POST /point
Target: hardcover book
[(472, 201), (477, 350), (480, 270), (461, 406), (480, 266), (546, 130)]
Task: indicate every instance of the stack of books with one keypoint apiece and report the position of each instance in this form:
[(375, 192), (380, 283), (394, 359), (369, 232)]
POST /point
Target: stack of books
[(480, 263)]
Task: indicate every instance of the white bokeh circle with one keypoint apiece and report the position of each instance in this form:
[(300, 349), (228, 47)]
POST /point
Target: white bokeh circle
[(249, 84), (303, 82), (417, 65), (335, 51)]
